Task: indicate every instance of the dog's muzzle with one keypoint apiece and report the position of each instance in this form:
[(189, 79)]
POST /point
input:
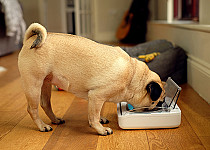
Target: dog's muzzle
[(160, 103)]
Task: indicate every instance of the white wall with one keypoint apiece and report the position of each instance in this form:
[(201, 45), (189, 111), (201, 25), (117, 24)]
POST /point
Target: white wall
[(204, 12), (50, 13), (196, 42), (55, 15), (30, 11), (107, 17)]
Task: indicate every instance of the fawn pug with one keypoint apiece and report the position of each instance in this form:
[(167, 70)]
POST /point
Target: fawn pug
[(93, 71)]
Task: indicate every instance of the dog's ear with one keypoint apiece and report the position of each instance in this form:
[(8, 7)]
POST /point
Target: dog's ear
[(154, 90)]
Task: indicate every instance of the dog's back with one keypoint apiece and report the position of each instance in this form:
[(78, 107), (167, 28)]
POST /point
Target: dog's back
[(74, 62)]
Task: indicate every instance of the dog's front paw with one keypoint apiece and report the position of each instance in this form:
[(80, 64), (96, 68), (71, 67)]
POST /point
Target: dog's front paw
[(59, 121), (46, 128), (106, 131)]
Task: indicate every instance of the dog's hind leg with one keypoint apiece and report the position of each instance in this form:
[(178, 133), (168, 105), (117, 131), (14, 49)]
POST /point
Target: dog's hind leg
[(45, 101), (33, 93)]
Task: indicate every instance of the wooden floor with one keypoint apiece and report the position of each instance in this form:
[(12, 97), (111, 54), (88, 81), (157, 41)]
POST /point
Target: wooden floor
[(17, 131)]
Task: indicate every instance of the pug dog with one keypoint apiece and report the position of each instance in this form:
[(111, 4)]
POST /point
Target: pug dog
[(92, 71)]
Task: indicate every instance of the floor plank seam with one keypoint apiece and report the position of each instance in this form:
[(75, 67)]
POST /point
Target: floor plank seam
[(193, 130), (3, 135), (11, 129), (57, 125), (148, 140)]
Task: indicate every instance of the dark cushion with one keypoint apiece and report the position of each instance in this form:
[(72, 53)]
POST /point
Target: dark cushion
[(180, 73), (172, 61), (148, 47), (164, 64)]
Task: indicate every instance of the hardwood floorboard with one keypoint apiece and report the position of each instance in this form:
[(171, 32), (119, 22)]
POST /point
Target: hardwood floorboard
[(120, 139), (11, 95), (196, 111), (23, 134), (182, 137), (17, 130), (10, 63), (12, 106), (76, 132), (206, 141)]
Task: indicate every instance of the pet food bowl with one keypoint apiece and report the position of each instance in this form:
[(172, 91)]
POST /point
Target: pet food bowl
[(166, 116)]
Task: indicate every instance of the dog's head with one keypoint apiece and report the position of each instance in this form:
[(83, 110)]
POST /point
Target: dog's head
[(156, 93), (147, 87), (152, 96)]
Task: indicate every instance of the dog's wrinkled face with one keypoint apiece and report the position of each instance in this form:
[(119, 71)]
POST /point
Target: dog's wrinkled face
[(154, 95), (156, 92)]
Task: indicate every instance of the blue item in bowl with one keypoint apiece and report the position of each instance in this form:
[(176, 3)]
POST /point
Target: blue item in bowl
[(130, 107)]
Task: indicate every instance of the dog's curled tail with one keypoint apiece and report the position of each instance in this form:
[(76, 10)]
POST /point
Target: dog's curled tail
[(36, 29)]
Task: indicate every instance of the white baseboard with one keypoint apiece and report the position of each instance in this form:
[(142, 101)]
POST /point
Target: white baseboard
[(199, 76)]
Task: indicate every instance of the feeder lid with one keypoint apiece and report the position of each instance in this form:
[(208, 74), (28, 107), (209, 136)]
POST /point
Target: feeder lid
[(172, 93)]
